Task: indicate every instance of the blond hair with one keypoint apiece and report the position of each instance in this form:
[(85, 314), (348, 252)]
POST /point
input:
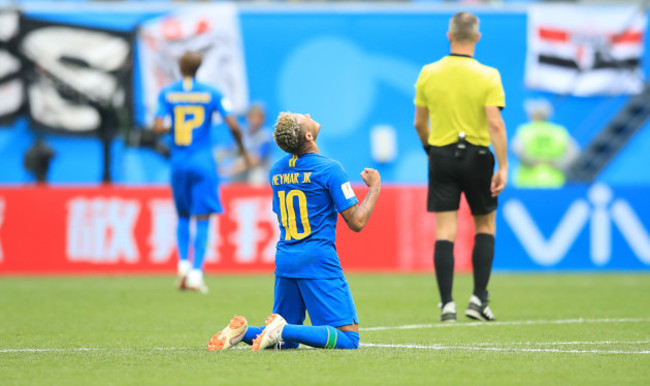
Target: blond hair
[(463, 27), (288, 134)]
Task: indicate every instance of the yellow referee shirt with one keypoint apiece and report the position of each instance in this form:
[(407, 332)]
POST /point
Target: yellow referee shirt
[(456, 90)]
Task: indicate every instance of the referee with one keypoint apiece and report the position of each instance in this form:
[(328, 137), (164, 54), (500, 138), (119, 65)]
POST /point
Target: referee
[(462, 100)]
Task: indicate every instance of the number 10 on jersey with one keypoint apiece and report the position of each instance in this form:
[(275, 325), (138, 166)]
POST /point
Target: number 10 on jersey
[(288, 214)]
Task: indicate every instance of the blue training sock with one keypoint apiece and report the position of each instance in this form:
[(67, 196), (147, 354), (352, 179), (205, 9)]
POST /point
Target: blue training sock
[(183, 237), (251, 334), (200, 243), (321, 336)]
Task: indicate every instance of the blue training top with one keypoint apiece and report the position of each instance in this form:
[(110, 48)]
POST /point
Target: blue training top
[(191, 105), (308, 191)]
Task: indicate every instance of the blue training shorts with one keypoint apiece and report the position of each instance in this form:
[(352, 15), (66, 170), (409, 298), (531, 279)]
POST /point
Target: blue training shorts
[(328, 301), (196, 189)]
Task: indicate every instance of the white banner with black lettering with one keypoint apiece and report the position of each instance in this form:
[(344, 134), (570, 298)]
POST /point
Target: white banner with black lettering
[(212, 30), (73, 74), (11, 85), (585, 51)]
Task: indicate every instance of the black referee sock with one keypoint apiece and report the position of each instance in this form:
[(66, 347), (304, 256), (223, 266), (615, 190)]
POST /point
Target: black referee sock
[(482, 257), (443, 260)]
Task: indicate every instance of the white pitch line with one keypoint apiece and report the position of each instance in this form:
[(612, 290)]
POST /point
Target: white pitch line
[(510, 323), (441, 325), (575, 343), (476, 347), (73, 349), (502, 349), (83, 349)]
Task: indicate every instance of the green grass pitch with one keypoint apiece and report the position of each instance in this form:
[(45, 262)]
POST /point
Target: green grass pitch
[(552, 329)]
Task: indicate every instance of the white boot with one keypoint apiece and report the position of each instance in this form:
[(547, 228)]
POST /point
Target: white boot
[(184, 268), (195, 282)]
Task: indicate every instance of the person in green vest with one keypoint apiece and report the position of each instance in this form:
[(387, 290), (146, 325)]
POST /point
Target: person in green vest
[(544, 149)]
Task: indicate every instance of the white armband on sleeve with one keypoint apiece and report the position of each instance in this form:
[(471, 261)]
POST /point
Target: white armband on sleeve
[(347, 190)]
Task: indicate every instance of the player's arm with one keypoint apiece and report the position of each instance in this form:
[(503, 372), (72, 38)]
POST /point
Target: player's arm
[(162, 111), (497, 130), (159, 126), (233, 125), (422, 124), (224, 107), (357, 216)]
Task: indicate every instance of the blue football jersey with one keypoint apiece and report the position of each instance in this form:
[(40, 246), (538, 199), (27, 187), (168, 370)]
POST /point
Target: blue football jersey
[(308, 192), (191, 106)]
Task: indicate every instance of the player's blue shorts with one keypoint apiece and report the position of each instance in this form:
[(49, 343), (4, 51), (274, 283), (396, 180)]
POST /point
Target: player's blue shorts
[(195, 187), (328, 301)]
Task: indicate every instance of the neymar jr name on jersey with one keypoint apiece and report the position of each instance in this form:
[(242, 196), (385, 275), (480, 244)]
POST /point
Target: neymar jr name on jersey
[(292, 178)]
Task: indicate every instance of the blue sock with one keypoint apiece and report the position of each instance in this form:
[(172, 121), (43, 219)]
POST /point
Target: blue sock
[(321, 336), (200, 243), (183, 237), (251, 334), (289, 345)]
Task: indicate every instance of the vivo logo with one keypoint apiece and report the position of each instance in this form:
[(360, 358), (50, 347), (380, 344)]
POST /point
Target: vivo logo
[(599, 211)]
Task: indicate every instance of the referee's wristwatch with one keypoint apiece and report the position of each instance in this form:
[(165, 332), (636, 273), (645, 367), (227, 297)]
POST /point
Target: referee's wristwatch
[(426, 148)]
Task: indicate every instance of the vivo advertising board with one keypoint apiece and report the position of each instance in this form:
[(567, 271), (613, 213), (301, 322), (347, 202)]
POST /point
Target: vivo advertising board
[(574, 228)]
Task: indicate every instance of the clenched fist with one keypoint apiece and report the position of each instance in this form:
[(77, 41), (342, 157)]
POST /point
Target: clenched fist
[(371, 177)]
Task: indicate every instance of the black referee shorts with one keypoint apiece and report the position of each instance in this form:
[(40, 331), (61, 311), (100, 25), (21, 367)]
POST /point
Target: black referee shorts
[(449, 176)]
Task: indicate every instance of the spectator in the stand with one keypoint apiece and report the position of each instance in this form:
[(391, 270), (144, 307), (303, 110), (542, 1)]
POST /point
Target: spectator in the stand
[(258, 142), (544, 149)]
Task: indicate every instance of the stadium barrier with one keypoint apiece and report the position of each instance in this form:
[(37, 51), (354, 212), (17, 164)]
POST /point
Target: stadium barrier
[(580, 227), (110, 230), (106, 230)]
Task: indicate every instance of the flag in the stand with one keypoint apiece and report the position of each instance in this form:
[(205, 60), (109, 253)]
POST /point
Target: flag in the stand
[(585, 50), (212, 30), (11, 85), (74, 73)]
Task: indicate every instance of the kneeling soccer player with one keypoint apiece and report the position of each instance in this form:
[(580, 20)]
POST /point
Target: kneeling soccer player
[(308, 191)]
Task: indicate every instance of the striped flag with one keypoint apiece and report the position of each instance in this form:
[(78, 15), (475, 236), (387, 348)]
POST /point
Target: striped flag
[(585, 51), (212, 30), (74, 73), (11, 85)]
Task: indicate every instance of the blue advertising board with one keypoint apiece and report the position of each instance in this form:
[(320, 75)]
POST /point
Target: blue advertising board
[(574, 228)]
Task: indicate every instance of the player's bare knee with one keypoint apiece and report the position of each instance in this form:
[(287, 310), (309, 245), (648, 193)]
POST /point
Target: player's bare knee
[(349, 327)]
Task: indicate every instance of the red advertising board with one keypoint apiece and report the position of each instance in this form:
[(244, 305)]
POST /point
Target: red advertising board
[(107, 230)]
